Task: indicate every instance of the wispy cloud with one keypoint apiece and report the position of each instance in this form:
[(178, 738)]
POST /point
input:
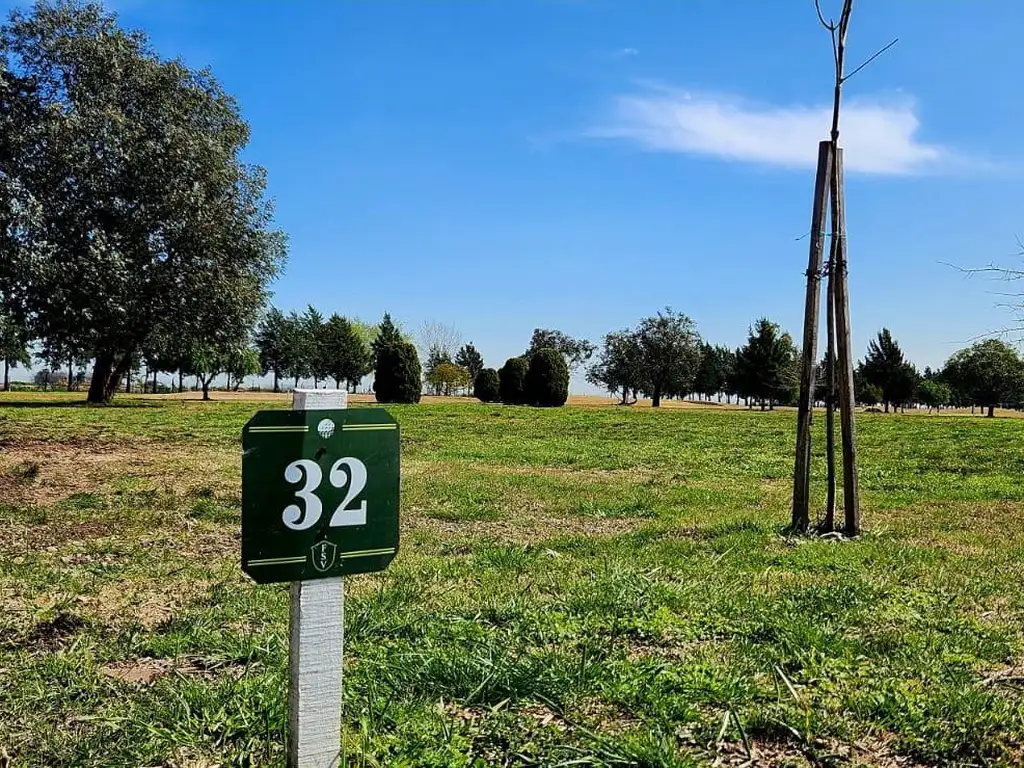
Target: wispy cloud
[(625, 53), (879, 136)]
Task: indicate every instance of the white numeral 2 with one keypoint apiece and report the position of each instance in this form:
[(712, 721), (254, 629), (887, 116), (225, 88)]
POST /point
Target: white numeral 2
[(307, 472), (356, 480)]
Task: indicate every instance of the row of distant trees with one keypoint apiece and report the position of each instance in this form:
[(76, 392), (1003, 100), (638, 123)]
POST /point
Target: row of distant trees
[(662, 357), (665, 357)]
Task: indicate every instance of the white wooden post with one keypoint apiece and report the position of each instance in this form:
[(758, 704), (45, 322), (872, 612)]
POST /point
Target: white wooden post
[(315, 645)]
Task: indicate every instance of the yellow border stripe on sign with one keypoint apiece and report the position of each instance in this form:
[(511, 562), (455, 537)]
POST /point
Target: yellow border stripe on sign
[(277, 561), (369, 553), (367, 427), (304, 428)]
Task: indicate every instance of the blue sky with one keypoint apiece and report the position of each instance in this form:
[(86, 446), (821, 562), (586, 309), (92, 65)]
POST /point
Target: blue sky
[(578, 164)]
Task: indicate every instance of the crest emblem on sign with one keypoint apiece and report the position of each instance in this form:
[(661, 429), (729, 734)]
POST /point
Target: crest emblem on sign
[(323, 554), (325, 428)]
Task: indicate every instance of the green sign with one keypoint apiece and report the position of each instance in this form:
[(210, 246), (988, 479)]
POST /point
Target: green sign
[(319, 493)]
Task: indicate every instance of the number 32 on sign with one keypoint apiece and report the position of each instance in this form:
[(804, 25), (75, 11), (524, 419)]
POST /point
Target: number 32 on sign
[(320, 493)]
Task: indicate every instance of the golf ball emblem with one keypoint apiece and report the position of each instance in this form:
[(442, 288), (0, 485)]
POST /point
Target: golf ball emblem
[(325, 428)]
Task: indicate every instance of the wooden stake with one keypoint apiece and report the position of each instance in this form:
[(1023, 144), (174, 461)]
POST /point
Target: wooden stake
[(315, 644), (830, 381), (844, 344), (802, 469)]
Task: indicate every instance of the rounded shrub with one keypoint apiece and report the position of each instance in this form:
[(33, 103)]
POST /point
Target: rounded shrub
[(512, 381), (547, 379), (397, 375), (487, 387)]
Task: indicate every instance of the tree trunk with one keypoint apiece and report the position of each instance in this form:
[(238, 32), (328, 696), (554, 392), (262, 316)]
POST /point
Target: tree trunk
[(886, 404), (154, 381), (206, 386), (7, 375), (991, 412), (656, 397), (101, 372), (70, 379), (121, 371), (277, 385)]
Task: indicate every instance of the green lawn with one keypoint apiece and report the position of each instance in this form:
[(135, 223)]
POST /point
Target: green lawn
[(583, 586)]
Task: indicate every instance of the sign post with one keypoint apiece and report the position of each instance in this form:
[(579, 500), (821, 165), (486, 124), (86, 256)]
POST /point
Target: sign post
[(320, 497)]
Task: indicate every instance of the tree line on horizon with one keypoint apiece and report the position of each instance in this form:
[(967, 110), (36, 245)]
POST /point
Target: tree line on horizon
[(662, 357), (665, 357)]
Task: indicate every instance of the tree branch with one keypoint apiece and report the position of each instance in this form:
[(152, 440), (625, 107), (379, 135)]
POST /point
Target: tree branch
[(1005, 274), (874, 56), (829, 25)]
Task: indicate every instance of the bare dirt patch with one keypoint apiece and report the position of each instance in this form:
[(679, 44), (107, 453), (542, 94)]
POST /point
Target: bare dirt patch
[(673, 652), (54, 632), (64, 469), (146, 670), (1009, 678), (147, 604), (876, 753)]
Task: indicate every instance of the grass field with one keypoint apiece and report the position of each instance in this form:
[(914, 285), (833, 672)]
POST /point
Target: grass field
[(582, 586)]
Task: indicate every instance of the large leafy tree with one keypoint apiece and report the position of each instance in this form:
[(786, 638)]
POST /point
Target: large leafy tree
[(886, 368), (669, 355), (619, 365), (20, 117), (143, 213), (575, 351), (989, 373), (767, 365), (346, 356)]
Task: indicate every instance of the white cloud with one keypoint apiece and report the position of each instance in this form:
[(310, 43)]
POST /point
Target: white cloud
[(625, 53), (879, 137)]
